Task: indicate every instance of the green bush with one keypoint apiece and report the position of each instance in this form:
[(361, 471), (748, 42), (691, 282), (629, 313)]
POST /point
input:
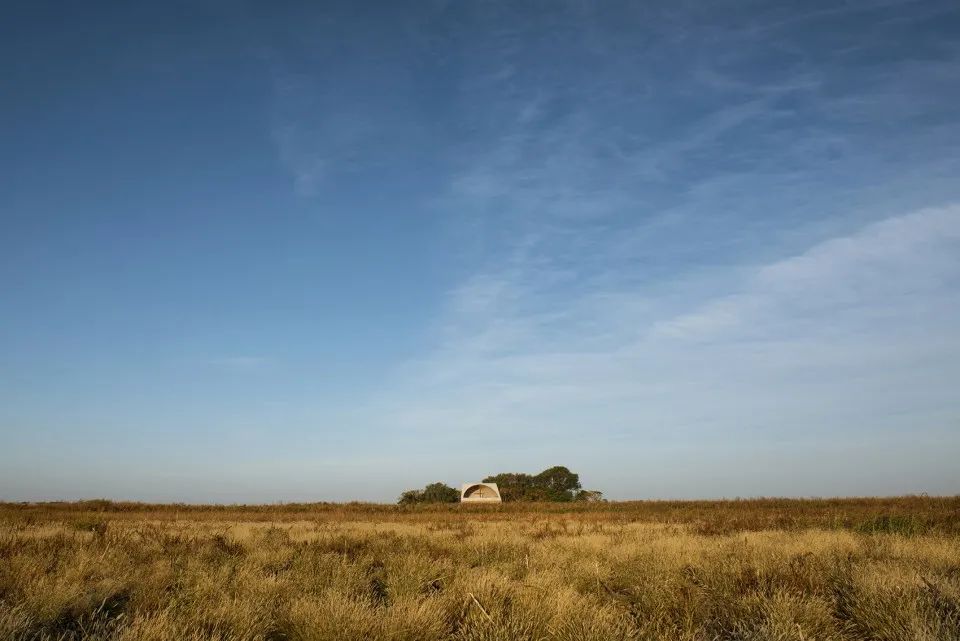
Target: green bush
[(433, 493)]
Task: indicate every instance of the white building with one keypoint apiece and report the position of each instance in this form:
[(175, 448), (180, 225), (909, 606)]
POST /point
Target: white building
[(480, 493)]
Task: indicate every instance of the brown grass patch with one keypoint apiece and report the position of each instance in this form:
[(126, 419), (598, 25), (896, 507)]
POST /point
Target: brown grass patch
[(768, 569)]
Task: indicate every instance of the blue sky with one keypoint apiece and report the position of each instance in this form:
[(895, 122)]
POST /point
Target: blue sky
[(330, 251)]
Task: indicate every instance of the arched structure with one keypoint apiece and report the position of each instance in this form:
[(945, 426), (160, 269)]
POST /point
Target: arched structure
[(480, 493)]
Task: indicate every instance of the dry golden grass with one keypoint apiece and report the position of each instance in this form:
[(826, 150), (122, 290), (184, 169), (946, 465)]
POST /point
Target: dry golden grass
[(771, 569)]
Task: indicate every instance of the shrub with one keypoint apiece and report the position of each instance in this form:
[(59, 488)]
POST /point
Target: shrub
[(433, 493)]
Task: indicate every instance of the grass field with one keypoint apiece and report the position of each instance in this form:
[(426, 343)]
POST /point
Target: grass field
[(759, 569)]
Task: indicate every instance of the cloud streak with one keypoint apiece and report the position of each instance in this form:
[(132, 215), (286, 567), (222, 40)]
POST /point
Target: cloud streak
[(753, 269), (884, 296), (738, 226)]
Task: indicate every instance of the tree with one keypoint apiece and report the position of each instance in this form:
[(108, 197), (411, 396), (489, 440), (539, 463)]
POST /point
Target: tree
[(513, 486), (432, 493), (590, 496), (559, 482), (440, 493), (410, 497), (553, 484)]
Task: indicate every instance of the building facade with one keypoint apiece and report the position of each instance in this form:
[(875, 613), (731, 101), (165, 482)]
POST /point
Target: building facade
[(480, 493)]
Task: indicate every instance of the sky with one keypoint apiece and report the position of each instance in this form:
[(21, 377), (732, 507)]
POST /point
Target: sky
[(329, 251)]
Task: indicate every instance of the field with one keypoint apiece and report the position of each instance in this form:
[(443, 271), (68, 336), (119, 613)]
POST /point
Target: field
[(753, 569)]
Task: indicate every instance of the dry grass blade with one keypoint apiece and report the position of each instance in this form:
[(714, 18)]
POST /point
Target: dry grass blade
[(480, 605)]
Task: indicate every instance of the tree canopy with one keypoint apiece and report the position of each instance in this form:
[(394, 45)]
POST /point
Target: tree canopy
[(433, 493), (553, 484)]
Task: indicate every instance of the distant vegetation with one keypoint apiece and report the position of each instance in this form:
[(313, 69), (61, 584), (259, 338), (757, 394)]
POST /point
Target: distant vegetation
[(751, 570), (556, 484), (433, 493)]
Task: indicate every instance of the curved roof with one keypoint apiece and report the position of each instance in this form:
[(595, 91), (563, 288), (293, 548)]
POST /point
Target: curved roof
[(469, 492)]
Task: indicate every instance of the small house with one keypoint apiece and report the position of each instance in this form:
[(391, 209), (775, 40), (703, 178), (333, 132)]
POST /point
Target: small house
[(480, 493)]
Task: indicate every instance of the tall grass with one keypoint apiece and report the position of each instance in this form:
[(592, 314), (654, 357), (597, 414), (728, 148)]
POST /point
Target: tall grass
[(924, 514), (752, 570)]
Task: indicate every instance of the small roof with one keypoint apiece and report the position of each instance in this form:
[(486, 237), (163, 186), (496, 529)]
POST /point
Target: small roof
[(480, 492), (467, 486)]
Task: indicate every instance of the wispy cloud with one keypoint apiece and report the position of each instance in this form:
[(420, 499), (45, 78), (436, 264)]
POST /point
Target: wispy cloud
[(876, 274), (718, 228), (802, 343), (754, 263)]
